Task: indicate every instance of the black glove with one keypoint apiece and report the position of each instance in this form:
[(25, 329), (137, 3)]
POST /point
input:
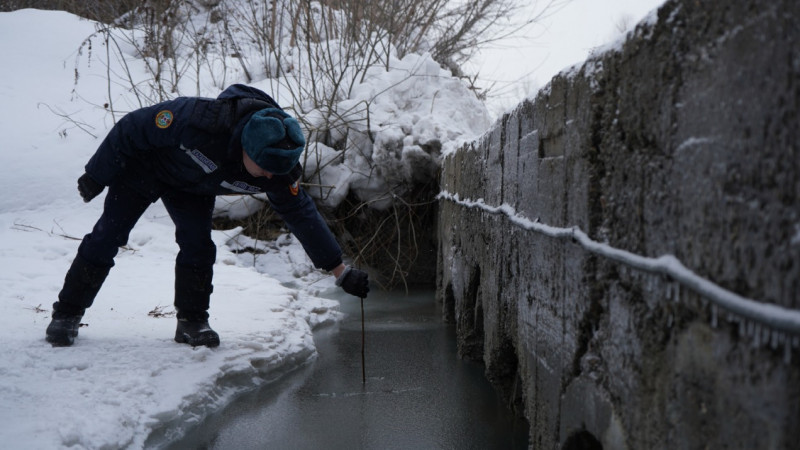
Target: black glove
[(354, 282), (89, 188)]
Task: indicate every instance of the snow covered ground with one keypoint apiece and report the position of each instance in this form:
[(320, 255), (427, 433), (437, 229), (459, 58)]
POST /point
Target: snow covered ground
[(125, 377)]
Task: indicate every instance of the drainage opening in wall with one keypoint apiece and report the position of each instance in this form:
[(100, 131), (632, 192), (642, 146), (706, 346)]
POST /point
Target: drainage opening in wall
[(582, 440)]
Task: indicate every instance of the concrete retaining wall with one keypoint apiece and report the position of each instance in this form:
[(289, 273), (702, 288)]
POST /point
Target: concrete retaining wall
[(683, 141)]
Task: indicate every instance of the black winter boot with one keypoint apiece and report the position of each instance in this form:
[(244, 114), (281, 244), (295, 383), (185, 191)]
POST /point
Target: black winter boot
[(63, 328), (196, 333), (192, 297), (81, 284)]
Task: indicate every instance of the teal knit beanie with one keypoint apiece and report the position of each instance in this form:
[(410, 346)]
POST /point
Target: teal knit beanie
[(273, 140)]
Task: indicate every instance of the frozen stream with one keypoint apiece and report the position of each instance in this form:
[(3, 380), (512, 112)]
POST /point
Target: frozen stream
[(418, 394)]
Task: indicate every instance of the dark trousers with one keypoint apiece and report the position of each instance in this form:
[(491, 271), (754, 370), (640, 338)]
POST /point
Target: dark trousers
[(123, 207)]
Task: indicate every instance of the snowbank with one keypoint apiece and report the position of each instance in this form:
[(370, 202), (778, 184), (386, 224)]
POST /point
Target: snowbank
[(394, 128)]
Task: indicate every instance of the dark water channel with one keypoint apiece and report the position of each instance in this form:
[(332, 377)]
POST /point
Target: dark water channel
[(418, 394)]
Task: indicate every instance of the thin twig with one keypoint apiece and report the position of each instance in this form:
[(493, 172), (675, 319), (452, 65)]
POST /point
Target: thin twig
[(363, 365), (82, 126)]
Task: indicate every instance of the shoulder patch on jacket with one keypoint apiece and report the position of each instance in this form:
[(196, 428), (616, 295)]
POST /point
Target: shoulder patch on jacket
[(164, 119), (294, 188)]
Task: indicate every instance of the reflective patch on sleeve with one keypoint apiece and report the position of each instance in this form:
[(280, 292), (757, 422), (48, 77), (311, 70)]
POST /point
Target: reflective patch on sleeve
[(240, 187), (200, 159)]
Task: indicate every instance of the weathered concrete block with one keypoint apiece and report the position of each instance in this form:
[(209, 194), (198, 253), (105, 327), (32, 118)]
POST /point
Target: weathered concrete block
[(683, 141)]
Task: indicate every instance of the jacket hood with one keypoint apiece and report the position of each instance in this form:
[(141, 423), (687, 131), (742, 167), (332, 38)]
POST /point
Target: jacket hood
[(237, 91), (246, 100)]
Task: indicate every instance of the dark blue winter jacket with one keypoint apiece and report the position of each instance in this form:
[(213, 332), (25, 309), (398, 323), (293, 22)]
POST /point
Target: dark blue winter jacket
[(193, 144)]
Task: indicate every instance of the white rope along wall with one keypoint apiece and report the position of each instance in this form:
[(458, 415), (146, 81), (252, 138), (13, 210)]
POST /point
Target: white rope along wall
[(772, 316)]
